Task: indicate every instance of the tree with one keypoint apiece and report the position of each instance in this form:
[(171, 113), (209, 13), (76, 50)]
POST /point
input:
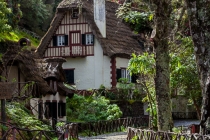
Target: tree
[(183, 72), (34, 19), (198, 13), (162, 77), (162, 13), (144, 67), (4, 11)]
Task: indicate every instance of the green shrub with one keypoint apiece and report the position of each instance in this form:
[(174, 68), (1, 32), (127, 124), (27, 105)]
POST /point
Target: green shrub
[(91, 108)]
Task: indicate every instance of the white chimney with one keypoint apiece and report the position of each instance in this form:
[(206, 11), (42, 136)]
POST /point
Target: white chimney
[(100, 16)]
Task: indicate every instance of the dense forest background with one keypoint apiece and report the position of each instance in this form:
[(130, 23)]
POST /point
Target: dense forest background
[(34, 15)]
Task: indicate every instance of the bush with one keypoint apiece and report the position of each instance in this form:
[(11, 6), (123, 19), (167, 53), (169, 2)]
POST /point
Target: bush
[(91, 108)]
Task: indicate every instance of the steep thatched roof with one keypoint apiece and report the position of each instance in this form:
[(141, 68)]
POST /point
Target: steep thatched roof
[(35, 69), (120, 40)]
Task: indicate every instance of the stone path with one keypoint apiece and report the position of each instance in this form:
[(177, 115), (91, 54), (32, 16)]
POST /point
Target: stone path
[(111, 136), (123, 135)]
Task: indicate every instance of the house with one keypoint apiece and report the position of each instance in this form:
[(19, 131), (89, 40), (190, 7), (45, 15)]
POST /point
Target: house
[(40, 80), (92, 60)]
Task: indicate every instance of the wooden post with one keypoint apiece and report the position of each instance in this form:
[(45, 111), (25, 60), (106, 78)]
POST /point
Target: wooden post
[(3, 116)]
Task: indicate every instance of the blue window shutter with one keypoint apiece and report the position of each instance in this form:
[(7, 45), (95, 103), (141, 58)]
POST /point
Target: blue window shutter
[(118, 74), (54, 110), (54, 40), (83, 39), (66, 40)]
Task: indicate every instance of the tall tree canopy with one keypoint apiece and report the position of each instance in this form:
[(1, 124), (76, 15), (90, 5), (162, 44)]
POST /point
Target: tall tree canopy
[(198, 12), (4, 11)]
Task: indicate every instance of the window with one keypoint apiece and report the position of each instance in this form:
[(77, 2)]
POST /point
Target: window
[(69, 76), (54, 109), (61, 109), (47, 109), (124, 73), (60, 40), (75, 13), (87, 39)]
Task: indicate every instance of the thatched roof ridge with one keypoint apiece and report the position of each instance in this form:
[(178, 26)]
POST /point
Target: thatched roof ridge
[(119, 40), (48, 36), (25, 60), (64, 91)]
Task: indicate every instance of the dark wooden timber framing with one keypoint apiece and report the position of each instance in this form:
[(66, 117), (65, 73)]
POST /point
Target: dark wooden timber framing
[(120, 40), (113, 72)]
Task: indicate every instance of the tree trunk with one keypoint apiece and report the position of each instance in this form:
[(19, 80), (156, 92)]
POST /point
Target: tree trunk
[(162, 79), (197, 108), (198, 12)]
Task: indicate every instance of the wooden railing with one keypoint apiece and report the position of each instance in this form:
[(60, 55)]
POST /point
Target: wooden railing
[(69, 51), (14, 132), (102, 127), (142, 134)]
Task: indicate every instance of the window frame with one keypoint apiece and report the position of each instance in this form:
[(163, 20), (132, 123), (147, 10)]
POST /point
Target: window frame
[(60, 40), (75, 13), (70, 69), (61, 109), (64, 39), (124, 73), (88, 36)]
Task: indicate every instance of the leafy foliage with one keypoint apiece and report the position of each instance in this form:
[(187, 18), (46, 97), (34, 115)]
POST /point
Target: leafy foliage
[(139, 21), (34, 19), (91, 108), (184, 74), (22, 118), (144, 66), (4, 11), (126, 90)]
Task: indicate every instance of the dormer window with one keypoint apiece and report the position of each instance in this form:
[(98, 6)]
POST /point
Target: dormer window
[(60, 40), (75, 13), (88, 39)]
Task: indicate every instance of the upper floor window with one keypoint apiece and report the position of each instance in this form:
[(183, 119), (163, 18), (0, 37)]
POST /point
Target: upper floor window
[(75, 13), (60, 40), (88, 39)]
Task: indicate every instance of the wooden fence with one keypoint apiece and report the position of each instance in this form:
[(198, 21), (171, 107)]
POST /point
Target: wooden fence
[(13, 132), (101, 127), (142, 134)]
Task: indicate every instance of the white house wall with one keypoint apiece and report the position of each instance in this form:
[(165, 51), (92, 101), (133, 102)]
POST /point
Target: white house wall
[(91, 72), (121, 62)]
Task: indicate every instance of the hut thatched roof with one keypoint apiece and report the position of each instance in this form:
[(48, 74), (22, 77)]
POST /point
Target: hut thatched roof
[(35, 69), (120, 40)]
